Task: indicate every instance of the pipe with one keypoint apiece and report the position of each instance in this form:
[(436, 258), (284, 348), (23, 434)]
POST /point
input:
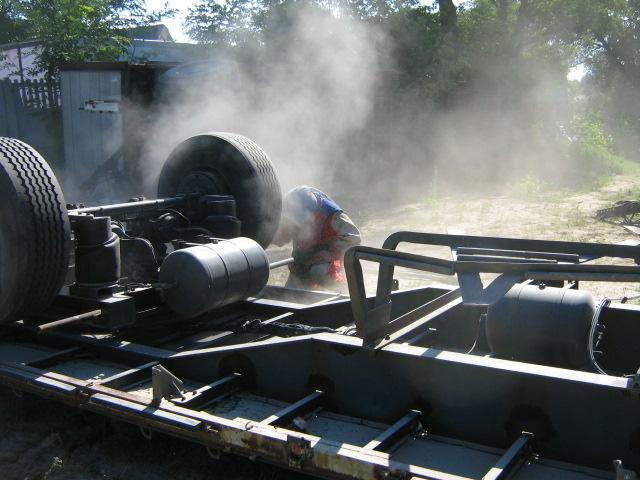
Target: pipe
[(281, 263), (68, 321), (131, 207)]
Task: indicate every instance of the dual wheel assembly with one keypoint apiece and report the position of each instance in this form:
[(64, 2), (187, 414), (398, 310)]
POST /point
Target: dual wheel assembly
[(35, 232)]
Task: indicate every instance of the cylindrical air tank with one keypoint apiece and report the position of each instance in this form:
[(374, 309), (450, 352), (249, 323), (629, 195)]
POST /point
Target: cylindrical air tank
[(204, 277), (539, 324)]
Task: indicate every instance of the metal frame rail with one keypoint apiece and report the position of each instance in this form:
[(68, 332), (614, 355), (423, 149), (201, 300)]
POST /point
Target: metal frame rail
[(514, 260), (311, 377), (277, 439)]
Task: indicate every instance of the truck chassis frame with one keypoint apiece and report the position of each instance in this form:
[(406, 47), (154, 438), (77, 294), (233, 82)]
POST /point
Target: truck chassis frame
[(387, 402)]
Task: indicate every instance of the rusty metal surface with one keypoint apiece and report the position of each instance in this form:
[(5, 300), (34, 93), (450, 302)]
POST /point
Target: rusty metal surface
[(328, 445)]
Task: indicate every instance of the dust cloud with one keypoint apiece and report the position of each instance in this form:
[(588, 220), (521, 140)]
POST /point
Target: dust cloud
[(322, 98), (301, 97)]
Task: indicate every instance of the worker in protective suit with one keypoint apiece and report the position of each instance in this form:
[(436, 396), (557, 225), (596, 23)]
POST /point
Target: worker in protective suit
[(321, 232)]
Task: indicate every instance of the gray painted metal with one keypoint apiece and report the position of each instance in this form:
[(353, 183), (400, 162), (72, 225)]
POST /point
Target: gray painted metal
[(326, 404), (373, 322), (213, 275), (332, 444), (396, 432), (541, 324), (470, 397), (512, 459), (89, 138), (583, 249), (302, 407)]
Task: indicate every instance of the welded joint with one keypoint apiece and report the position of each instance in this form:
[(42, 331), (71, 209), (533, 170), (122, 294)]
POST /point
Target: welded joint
[(83, 395), (215, 444), (213, 432)]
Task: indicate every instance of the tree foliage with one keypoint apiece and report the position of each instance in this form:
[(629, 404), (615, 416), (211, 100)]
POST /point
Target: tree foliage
[(13, 26), (228, 23), (74, 30), (500, 51)]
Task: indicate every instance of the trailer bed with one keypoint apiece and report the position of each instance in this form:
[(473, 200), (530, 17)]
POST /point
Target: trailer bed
[(271, 399)]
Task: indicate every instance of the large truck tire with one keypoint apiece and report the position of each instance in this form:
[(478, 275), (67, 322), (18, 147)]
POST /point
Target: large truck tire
[(227, 164), (34, 232)]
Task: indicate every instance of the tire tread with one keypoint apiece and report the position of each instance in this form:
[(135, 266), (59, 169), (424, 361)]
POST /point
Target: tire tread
[(47, 224)]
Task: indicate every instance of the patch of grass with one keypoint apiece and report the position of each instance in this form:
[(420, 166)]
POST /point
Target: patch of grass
[(628, 167), (578, 220), (558, 196), (591, 154), (632, 193), (527, 188)]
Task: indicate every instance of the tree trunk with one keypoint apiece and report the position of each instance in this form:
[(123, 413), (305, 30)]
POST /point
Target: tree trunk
[(503, 9), (448, 17)]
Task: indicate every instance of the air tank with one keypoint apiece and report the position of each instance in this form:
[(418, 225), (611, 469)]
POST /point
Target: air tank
[(204, 277), (539, 324)]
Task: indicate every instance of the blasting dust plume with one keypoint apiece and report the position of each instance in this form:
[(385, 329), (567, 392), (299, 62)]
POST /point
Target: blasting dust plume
[(301, 97), (327, 99)]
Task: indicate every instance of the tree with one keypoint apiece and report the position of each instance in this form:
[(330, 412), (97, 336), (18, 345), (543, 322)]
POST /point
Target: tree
[(605, 37), (82, 30), (221, 23), (12, 24), (448, 17), (236, 22)]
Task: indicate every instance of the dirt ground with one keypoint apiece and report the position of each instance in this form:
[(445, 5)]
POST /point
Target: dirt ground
[(550, 215), (43, 440)]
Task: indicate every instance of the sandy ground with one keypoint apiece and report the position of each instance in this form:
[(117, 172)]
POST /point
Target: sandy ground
[(553, 215), (43, 440)]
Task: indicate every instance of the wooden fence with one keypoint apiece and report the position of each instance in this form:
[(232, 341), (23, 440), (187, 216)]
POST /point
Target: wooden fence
[(38, 95), (31, 111)]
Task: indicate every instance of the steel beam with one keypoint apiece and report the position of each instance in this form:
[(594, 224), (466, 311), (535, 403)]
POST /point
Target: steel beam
[(560, 257), (505, 243), (299, 409), (128, 377), (512, 459), (198, 398), (467, 395), (430, 312), (312, 454), (395, 432)]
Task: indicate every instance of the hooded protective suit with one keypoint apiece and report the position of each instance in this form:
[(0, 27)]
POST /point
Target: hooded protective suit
[(321, 232)]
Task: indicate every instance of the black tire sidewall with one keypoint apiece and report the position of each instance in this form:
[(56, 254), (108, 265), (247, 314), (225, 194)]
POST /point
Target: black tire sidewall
[(253, 183)]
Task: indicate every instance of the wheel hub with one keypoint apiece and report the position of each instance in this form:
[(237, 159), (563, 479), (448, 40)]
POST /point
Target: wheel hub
[(200, 182)]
